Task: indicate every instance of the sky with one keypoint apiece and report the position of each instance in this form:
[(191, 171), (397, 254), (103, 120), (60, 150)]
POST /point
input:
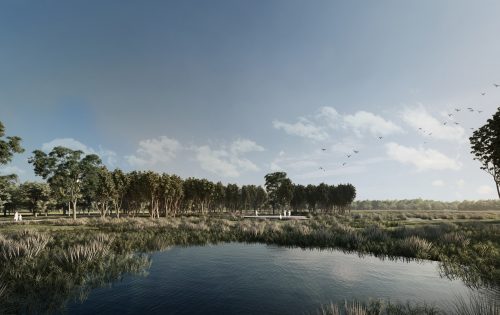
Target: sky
[(232, 90)]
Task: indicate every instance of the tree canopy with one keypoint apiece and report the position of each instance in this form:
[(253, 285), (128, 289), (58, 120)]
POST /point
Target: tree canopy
[(65, 170), (8, 147), (485, 144)]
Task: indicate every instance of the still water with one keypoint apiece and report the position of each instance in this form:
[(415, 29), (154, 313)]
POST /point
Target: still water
[(240, 278)]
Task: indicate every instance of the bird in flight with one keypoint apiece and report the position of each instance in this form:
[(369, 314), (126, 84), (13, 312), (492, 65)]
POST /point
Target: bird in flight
[(479, 111), (348, 156), (380, 137), (445, 123), (496, 85), (343, 164), (323, 149), (356, 152), (321, 168), (457, 123), (483, 93), (457, 109), (450, 115)]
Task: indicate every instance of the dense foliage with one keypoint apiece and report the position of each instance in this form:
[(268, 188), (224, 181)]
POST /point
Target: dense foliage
[(485, 144), (78, 181), (421, 204)]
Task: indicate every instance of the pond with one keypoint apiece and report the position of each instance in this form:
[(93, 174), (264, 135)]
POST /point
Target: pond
[(236, 278)]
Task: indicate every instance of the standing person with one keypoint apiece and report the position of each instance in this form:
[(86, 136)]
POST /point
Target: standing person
[(20, 217), (16, 216)]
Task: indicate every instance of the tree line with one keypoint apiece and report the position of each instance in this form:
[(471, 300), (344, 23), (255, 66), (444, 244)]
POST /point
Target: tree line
[(421, 204), (78, 182)]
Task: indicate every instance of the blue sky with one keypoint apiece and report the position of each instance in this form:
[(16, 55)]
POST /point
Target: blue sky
[(231, 90)]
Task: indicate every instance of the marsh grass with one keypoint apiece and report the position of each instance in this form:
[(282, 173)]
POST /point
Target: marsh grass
[(378, 307), (69, 257), (476, 304)]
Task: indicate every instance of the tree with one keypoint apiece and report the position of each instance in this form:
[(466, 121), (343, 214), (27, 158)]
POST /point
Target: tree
[(485, 144), (36, 196), (64, 170), (8, 192), (285, 193), (106, 191), (8, 146), (121, 182), (277, 195)]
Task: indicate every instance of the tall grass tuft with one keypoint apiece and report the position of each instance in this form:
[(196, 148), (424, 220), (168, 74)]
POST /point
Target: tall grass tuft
[(414, 246), (476, 304), (3, 289), (26, 243)]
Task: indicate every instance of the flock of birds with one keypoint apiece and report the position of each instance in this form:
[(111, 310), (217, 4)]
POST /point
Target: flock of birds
[(423, 131)]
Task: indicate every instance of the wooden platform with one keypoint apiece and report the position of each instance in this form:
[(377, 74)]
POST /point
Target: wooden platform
[(276, 217)]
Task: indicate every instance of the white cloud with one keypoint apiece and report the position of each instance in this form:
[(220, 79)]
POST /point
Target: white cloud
[(423, 159), (157, 151), (244, 146), (303, 128), (487, 191), (461, 183), (363, 121), (228, 163), (108, 156), (438, 183), (69, 143), (8, 170), (215, 161), (332, 117), (418, 117)]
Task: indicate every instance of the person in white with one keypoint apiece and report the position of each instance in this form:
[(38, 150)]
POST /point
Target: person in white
[(20, 217), (289, 213), (16, 216), (280, 216)]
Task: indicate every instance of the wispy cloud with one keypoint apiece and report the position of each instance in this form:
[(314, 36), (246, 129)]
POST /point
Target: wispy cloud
[(422, 159), (422, 121), (227, 162), (486, 191), (303, 128), (154, 152), (438, 183), (366, 122), (360, 123)]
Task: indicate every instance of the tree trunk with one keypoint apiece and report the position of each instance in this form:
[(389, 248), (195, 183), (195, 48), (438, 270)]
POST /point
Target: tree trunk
[(498, 188), (74, 210)]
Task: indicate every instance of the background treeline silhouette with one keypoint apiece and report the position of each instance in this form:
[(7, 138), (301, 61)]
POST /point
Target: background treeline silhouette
[(421, 204)]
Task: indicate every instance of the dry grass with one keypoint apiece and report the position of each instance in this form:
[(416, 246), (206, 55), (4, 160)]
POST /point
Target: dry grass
[(25, 244)]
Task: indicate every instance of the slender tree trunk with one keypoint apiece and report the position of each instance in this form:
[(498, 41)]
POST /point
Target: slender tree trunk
[(74, 209), (498, 188)]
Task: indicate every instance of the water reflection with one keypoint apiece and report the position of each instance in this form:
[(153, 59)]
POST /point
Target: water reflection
[(38, 279)]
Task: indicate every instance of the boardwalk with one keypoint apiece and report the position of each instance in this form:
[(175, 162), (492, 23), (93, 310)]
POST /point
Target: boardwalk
[(276, 217)]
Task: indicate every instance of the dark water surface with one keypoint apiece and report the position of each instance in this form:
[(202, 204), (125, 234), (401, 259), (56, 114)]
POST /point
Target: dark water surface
[(261, 279)]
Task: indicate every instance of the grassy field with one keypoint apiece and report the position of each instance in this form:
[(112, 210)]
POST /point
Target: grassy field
[(69, 257)]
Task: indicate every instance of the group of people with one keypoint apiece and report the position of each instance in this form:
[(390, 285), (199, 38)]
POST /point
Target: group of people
[(18, 217), (286, 213)]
